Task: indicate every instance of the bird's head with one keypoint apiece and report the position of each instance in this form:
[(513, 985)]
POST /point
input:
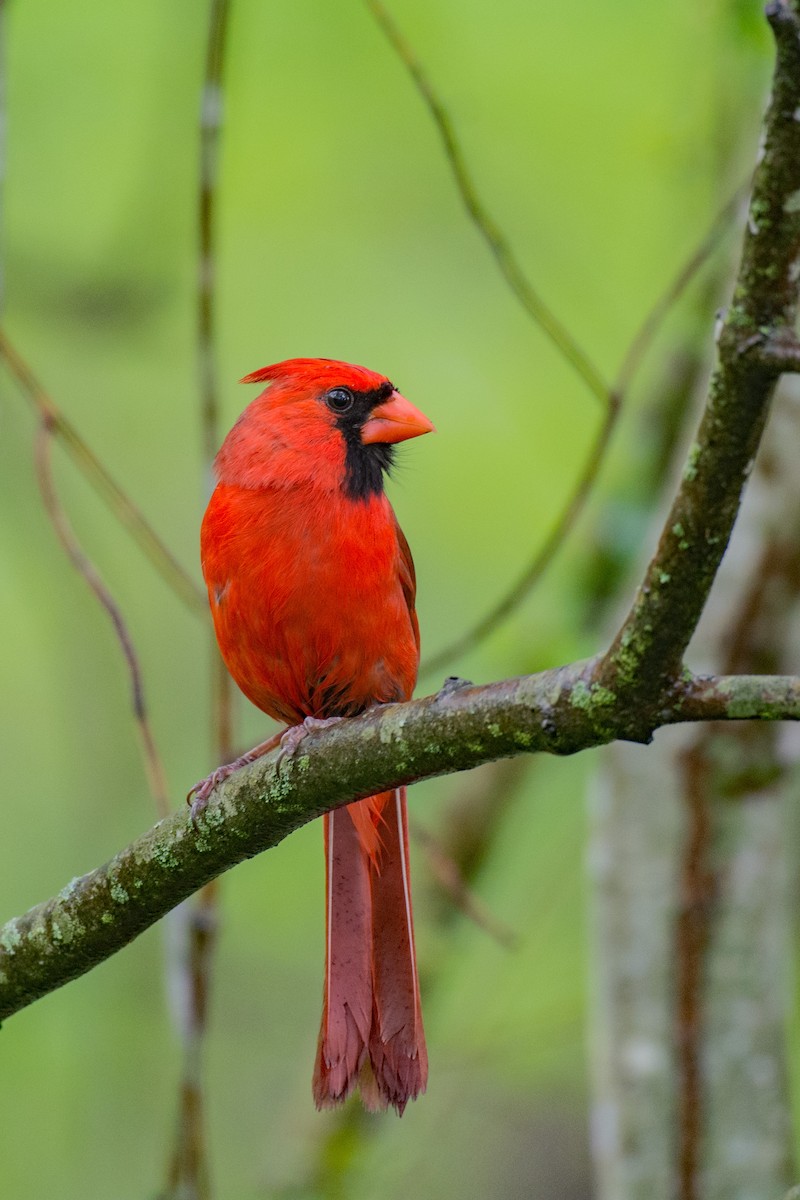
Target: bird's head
[(321, 420)]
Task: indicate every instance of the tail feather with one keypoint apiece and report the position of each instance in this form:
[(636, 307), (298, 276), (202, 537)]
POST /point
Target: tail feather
[(371, 1033), (397, 1040), (347, 1000)]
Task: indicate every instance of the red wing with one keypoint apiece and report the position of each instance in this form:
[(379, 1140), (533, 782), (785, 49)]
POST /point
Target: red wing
[(408, 579)]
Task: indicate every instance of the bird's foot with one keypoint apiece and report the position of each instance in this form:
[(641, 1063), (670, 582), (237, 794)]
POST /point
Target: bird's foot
[(288, 741), (203, 789), (295, 734)]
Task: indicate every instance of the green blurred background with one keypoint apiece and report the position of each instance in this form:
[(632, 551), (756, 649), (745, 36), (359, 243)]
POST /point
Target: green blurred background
[(604, 137)]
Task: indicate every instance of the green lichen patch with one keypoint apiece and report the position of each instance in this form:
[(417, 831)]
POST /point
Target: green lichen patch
[(588, 698), (760, 220), (164, 855), (119, 894), (742, 705), (690, 469), (10, 938), (65, 928), (391, 731)]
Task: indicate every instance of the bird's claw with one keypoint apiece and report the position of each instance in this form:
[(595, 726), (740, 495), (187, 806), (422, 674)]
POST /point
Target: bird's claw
[(204, 787), (288, 743), (295, 734), (202, 790)]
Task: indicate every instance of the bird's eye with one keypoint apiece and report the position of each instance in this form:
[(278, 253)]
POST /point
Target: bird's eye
[(340, 400)]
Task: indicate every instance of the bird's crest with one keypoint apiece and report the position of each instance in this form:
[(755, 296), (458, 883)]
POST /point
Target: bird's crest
[(316, 372)]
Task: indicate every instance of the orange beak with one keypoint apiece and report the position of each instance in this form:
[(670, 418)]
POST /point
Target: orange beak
[(395, 421)]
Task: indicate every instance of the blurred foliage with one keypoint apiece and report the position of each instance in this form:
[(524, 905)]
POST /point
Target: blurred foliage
[(604, 138)]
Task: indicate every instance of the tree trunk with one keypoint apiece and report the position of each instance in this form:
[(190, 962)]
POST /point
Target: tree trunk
[(692, 892)]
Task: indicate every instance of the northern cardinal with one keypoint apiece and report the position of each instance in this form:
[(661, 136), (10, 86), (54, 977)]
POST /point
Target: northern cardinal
[(311, 586)]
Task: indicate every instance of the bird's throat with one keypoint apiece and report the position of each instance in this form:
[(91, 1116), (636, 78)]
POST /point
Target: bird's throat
[(365, 466)]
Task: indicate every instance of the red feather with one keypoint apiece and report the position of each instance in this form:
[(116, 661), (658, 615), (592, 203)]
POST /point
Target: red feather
[(312, 592)]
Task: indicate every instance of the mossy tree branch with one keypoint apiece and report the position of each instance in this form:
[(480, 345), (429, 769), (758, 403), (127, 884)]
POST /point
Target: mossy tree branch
[(639, 685), (755, 344), (560, 711)]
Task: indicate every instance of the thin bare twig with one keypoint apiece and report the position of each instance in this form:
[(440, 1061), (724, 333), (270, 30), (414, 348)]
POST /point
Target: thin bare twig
[(156, 777), (189, 1174), (453, 883), (211, 115), (647, 331), (544, 557), (210, 128), (611, 394), (488, 229), (579, 497), (53, 424), (190, 953), (120, 504)]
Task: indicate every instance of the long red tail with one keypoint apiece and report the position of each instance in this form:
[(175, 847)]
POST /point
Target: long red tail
[(371, 1034)]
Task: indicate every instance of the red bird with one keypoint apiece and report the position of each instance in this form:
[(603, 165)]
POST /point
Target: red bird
[(311, 586)]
